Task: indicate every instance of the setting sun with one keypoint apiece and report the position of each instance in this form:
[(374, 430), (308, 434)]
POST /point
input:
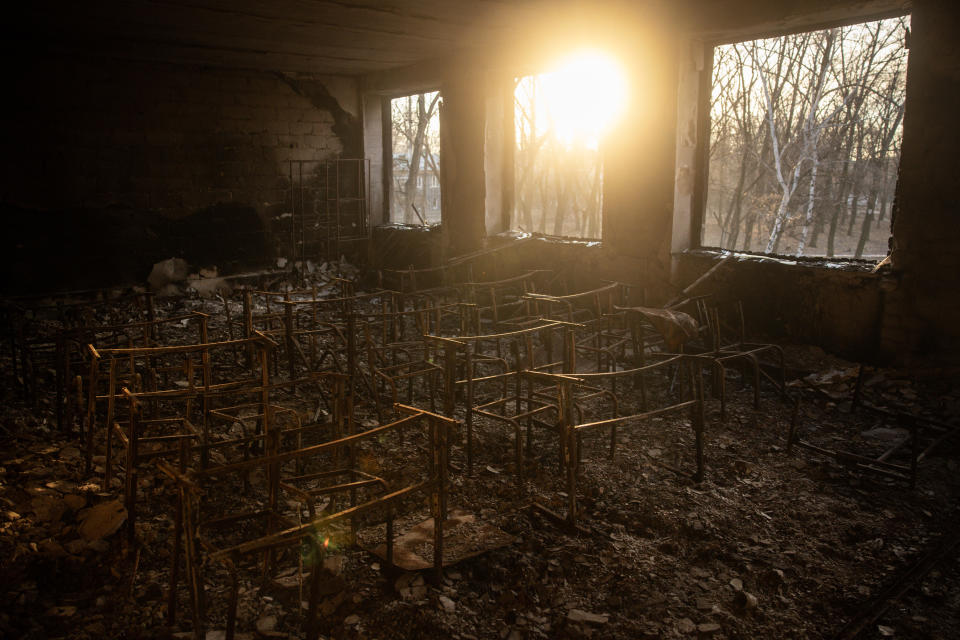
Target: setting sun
[(582, 97)]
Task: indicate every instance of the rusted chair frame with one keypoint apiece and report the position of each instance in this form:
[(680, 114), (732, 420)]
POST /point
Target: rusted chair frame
[(131, 433), (416, 363), (644, 336), (342, 320), (188, 439), (190, 487), (572, 428), (383, 359), (339, 404), (71, 351), (425, 316), (879, 465), (129, 356), (452, 265), (471, 357), (742, 351), (406, 279), (882, 465), (353, 330), (320, 309), (601, 313), (433, 315), (608, 344), (373, 325), (131, 439), (270, 434), (569, 301), (41, 350), (474, 291)]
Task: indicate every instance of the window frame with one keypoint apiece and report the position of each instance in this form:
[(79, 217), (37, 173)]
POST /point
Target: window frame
[(510, 155), (386, 111), (701, 166)]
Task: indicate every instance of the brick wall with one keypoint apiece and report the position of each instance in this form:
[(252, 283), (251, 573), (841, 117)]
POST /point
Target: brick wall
[(93, 144)]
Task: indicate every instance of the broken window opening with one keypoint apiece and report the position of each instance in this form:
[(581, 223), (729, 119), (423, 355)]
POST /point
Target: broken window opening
[(415, 142), (804, 145), (560, 118)]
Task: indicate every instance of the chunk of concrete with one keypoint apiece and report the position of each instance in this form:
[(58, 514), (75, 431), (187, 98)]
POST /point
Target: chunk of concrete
[(167, 271), (102, 520), (211, 287), (579, 615)]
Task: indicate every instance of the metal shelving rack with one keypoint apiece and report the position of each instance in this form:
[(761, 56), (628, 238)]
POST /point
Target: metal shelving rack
[(329, 207)]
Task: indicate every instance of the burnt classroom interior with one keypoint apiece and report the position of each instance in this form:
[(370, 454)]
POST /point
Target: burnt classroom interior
[(316, 323)]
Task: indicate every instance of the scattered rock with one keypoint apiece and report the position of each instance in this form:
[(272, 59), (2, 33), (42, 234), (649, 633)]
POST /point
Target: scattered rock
[(404, 581), (69, 453), (169, 291), (418, 592), (886, 433), (211, 287), (744, 468), (708, 628), (75, 502), (48, 508), (745, 601), (168, 271), (448, 604), (76, 546), (579, 615), (52, 548), (222, 635), (266, 625), (100, 546), (334, 564), (685, 625), (103, 520)]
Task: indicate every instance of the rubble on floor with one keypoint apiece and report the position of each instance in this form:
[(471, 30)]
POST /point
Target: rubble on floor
[(768, 545)]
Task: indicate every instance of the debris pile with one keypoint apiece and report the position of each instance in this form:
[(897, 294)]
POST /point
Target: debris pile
[(770, 543)]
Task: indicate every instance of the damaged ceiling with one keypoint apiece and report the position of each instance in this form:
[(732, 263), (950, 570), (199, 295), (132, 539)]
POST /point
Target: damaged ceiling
[(343, 37)]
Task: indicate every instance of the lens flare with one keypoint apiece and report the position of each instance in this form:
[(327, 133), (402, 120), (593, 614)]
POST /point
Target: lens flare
[(583, 97)]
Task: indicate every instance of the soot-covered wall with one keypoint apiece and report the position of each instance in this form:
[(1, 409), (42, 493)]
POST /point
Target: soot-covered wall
[(112, 165)]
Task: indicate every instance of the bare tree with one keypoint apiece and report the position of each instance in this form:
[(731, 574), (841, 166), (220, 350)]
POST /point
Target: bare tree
[(557, 182), (804, 137), (415, 134)]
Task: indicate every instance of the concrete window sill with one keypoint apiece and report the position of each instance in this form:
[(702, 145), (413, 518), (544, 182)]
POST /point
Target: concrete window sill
[(860, 265)]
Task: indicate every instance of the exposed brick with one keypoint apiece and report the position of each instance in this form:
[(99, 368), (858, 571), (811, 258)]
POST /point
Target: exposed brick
[(147, 135), (292, 114), (278, 127), (301, 128), (313, 142), (315, 115)]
